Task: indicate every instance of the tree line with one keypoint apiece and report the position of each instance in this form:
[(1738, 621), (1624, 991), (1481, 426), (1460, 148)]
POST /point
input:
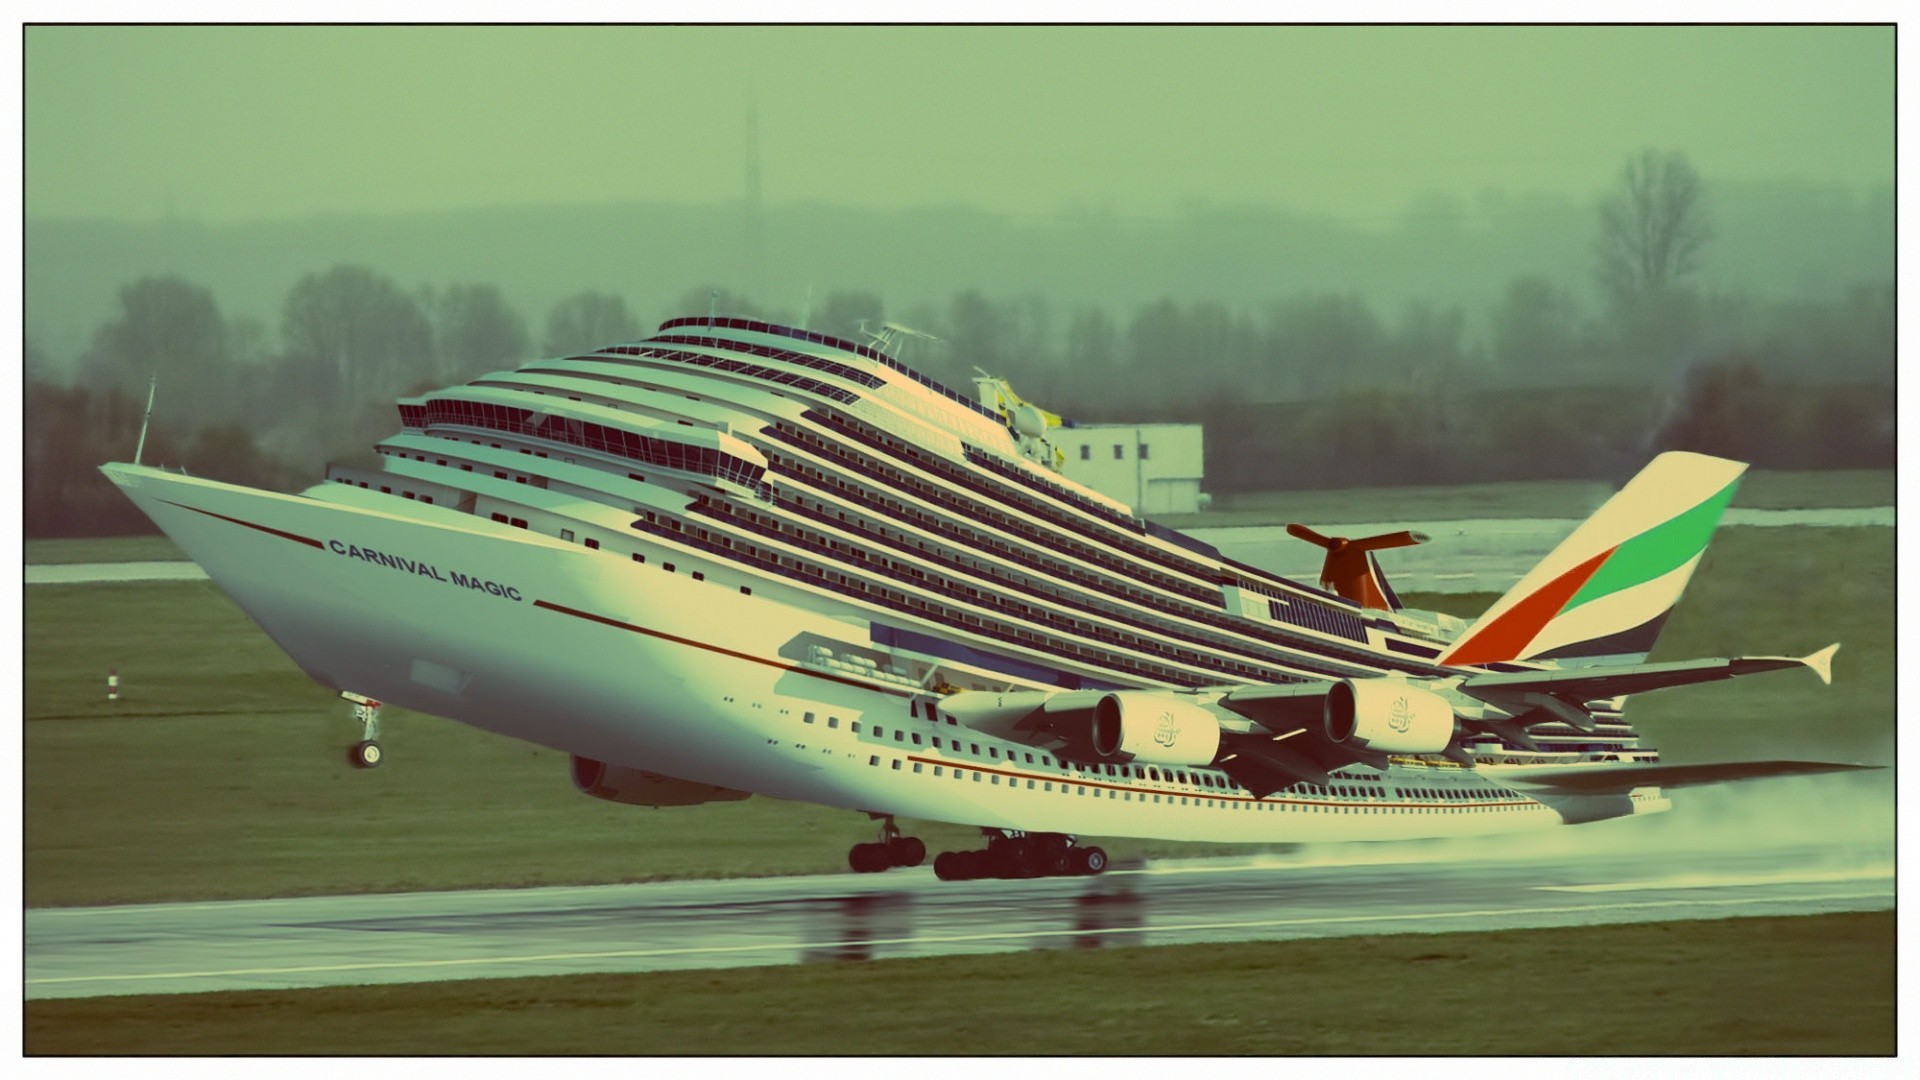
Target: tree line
[(1327, 385)]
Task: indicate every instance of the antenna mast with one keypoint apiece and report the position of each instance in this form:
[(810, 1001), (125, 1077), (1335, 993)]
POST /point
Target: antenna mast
[(140, 447)]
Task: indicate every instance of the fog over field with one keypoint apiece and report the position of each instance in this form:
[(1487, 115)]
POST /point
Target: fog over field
[(1333, 245)]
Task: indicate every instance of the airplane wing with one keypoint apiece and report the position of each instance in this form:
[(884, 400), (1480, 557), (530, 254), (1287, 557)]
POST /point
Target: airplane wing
[(1523, 689), (1618, 779)]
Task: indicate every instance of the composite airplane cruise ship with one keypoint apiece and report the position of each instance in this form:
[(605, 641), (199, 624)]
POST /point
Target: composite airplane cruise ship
[(738, 558)]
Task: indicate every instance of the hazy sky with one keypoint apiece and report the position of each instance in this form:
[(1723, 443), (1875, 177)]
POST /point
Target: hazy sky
[(237, 123)]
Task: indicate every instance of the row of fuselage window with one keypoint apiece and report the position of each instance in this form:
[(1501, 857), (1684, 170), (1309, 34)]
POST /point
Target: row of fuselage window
[(1067, 786)]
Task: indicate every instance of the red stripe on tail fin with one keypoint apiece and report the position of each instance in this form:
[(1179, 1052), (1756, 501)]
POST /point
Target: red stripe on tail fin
[(1507, 636)]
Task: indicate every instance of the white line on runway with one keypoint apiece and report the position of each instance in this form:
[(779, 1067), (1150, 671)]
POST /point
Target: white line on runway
[(1720, 881), (955, 939)]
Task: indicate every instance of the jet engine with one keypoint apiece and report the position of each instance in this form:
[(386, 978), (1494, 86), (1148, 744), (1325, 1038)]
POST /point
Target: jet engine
[(1136, 725), (1388, 716), (638, 787)]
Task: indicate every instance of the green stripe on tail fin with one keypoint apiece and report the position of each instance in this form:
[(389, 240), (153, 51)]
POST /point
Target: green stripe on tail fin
[(1611, 583)]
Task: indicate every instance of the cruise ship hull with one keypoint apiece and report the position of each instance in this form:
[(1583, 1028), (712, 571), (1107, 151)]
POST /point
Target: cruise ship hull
[(589, 653)]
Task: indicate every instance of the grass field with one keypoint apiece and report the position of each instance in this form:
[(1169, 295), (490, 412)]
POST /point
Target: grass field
[(1794, 986), (100, 549), (221, 773)]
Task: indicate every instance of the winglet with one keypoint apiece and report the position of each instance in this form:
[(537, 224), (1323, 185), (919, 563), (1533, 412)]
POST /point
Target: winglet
[(1822, 662)]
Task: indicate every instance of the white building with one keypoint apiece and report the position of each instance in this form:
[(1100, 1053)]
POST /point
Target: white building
[(1154, 468)]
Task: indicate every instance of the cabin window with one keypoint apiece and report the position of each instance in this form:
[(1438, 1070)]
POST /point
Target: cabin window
[(1143, 451), (667, 566), (807, 719), (1119, 452), (592, 543), (1086, 452), (698, 576), (833, 721), (637, 557)]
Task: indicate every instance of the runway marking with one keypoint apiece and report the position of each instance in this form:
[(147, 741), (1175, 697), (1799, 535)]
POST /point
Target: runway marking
[(1719, 881), (950, 939)]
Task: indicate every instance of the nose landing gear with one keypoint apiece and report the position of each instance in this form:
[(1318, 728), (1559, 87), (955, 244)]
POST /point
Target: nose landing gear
[(1020, 855), (365, 754), (892, 850)]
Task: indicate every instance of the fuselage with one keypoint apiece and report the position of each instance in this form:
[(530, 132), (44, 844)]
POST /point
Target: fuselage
[(757, 558)]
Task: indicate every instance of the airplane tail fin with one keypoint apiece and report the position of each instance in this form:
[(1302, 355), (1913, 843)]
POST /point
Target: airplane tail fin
[(1607, 589)]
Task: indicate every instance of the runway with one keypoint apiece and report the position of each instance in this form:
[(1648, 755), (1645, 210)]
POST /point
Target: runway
[(1606, 873), (1481, 555)]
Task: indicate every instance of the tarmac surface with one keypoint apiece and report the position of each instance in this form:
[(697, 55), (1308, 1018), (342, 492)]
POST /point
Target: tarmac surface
[(1613, 872), (1484, 555)]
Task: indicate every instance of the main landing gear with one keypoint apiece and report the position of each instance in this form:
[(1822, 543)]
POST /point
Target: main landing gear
[(892, 850), (1020, 855), (365, 754)]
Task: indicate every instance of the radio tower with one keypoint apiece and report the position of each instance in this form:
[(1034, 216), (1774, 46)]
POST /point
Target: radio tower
[(756, 242)]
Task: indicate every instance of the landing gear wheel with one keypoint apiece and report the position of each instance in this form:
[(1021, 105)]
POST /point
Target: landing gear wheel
[(868, 858), (951, 866), (364, 755), (1089, 860), (907, 851)]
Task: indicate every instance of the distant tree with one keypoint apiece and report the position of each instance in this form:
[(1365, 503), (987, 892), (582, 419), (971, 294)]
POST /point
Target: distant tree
[(170, 329), (1723, 409), (1321, 345), (588, 320), (1653, 226), (1092, 342), (353, 335), (1535, 328), (69, 432), (475, 331), (228, 452), (1429, 349), (843, 313), (36, 361)]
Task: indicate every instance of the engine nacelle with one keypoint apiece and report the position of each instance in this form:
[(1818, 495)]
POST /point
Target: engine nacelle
[(638, 787), (1389, 716), (1139, 725)]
